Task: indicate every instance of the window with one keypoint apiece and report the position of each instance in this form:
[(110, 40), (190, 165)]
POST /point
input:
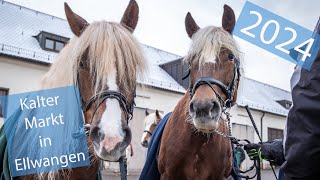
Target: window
[(3, 92), (285, 103), (274, 134), (51, 42), (288, 105), (59, 45), (53, 45)]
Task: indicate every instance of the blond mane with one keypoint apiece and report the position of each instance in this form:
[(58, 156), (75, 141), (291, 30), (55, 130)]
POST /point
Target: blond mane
[(207, 44), (111, 47), (108, 47)]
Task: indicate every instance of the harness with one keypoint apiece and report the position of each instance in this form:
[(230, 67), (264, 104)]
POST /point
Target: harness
[(98, 99), (102, 96), (228, 91)]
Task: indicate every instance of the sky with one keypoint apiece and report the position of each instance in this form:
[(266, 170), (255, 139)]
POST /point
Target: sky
[(161, 25)]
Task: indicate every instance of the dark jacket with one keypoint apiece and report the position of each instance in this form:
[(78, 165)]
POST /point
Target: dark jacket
[(302, 137)]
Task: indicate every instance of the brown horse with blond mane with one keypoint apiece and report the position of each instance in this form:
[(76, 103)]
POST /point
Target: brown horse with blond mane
[(103, 59), (194, 143)]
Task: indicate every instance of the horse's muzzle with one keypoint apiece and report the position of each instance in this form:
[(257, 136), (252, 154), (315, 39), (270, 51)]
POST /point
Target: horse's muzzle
[(205, 110), (110, 148)]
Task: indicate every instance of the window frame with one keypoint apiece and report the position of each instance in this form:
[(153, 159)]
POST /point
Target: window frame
[(274, 133), (6, 90), (43, 35), (54, 44)]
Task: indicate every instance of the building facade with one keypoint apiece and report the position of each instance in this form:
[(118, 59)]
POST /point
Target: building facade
[(29, 41)]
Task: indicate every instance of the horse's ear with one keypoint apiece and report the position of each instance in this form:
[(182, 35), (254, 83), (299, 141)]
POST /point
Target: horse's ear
[(131, 16), (76, 22), (157, 114), (191, 25), (228, 19), (147, 113)]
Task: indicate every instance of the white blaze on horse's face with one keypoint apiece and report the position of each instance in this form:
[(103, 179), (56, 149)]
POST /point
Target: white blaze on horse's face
[(110, 125), (148, 122)]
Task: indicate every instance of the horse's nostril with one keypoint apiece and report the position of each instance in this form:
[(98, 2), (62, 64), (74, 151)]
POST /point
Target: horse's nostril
[(215, 107), (191, 107), (214, 104), (96, 135), (205, 108)]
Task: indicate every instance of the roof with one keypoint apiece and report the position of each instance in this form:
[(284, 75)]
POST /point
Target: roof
[(156, 76), (19, 25), (261, 96)]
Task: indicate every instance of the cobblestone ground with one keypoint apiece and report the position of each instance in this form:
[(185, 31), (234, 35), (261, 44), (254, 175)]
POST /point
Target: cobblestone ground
[(265, 175)]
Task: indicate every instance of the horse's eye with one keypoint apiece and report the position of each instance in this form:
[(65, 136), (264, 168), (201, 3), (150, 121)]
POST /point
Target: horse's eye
[(231, 57)]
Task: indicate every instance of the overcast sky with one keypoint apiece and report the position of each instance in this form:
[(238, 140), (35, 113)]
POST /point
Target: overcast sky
[(161, 25)]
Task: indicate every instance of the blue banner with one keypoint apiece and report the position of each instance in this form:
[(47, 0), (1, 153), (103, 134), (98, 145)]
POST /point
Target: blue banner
[(277, 35), (44, 131)]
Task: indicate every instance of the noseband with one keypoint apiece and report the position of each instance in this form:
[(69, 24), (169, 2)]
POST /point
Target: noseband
[(228, 90), (101, 97), (124, 104), (148, 132)]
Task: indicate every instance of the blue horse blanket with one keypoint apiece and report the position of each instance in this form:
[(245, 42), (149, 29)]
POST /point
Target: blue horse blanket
[(150, 169)]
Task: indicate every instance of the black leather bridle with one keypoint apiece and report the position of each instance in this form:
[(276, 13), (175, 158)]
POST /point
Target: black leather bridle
[(228, 90), (148, 132), (124, 104), (99, 98)]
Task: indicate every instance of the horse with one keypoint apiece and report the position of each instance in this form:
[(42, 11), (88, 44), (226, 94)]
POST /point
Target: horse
[(195, 143), (150, 123), (103, 59)]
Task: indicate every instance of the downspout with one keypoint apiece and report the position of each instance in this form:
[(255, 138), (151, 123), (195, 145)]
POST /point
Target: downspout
[(261, 124)]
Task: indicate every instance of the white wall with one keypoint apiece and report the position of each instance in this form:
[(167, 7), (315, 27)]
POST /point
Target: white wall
[(153, 98), (19, 76)]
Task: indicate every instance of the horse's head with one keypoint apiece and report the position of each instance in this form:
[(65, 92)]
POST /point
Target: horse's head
[(214, 70), (108, 59), (150, 123)]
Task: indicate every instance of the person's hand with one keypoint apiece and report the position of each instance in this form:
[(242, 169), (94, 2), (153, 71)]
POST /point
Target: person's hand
[(270, 151), (273, 152), (252, 150)]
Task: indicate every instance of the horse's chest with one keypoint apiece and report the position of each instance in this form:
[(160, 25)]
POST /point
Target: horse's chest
[(208, 166)]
